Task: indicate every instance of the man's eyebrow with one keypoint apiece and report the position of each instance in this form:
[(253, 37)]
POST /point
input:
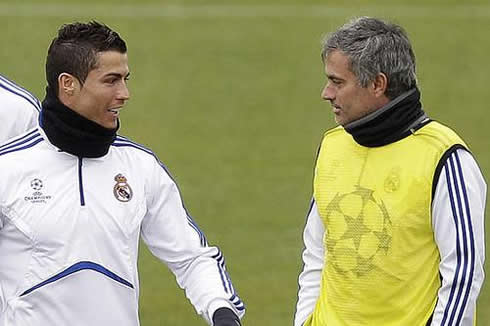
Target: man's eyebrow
[(116, 74), (332, 76)]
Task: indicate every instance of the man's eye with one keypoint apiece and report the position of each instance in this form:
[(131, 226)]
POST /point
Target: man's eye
[(334, 81)]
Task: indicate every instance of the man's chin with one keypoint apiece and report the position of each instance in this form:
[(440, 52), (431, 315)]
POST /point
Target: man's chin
[(108, 124), (339, 120), (113, 124)]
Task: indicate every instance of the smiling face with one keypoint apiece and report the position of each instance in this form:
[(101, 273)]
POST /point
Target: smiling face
[(350, 101), (104, 91)]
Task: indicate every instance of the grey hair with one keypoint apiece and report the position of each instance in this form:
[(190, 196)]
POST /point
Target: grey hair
[(374, 46)]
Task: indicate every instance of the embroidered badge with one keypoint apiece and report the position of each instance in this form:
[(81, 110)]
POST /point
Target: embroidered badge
[(36, 184), (37, 196), (122, 190), (392, 181)]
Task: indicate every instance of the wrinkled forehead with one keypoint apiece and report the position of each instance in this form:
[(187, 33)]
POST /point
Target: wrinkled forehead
[(338, 60), (337, 55)]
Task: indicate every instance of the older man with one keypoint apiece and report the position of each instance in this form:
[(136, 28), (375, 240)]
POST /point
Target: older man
[(394, 235)]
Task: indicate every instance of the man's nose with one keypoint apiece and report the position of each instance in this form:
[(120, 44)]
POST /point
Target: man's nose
[(327, 93), (124, 93)]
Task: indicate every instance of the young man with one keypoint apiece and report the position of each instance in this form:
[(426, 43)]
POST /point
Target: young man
[(72, 214), (394, 235), (19, 109)]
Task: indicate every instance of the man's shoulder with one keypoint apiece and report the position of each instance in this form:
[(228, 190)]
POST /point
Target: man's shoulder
[(138, 156), (21, 150), (440, 133), (13, 107), (22, 141), (122, 143), (15, 97), (334, 132), (439, 127)]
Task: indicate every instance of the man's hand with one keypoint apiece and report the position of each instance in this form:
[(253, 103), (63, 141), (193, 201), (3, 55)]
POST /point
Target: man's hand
[(225, 317)]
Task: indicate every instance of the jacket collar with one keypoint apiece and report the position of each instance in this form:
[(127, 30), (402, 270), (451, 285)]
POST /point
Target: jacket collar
[(390, 123), (71, 132)]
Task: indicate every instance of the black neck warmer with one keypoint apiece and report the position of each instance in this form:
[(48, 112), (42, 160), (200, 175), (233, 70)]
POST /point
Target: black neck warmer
[(392, 122), (71, 132)]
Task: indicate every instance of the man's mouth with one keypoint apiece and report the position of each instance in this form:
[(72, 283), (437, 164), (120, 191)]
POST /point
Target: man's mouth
[(115, 111)]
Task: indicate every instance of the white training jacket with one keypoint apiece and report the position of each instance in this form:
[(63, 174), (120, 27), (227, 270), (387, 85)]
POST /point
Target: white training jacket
[(70, 229), (455, 255), (19, 109)]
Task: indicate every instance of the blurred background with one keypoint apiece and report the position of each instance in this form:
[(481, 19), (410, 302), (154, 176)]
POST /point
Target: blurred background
[(227, 93)]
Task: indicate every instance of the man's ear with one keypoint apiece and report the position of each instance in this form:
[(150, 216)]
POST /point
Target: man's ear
[(380, 84), (67, 84)]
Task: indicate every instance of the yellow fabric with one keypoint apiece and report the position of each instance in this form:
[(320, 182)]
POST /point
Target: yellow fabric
[(381, 263)]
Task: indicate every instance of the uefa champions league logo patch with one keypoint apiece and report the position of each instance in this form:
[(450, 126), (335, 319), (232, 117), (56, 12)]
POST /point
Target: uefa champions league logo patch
[(122, 190), (37, 196), (36, 184)]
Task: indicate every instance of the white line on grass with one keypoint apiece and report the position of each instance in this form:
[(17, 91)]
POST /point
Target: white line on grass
[(138, 11)]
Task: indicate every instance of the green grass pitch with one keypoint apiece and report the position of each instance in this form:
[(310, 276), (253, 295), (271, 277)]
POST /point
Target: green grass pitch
[(227, 93)]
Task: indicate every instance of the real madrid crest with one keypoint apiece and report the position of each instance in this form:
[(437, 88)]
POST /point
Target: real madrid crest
[(122, 190), (392, 181)]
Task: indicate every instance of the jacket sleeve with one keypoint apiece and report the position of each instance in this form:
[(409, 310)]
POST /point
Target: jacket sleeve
[(313, 260), (172, 235), (19, 110), (457, 219)]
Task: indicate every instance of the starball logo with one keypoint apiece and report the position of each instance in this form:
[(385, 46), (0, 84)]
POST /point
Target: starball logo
[(37, 196)]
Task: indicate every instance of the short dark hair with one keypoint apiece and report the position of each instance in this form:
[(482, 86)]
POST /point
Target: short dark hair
[(75, 50)]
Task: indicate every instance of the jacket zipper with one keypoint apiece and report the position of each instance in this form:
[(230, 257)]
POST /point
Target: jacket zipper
[(80, 182)]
